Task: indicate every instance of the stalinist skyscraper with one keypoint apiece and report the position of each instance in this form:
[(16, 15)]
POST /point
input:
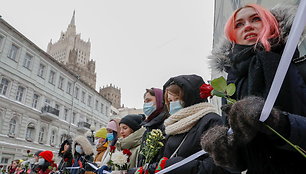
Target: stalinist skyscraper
[(74, 53)]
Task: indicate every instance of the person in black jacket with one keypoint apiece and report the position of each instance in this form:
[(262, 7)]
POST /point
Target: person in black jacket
[(66, 154), (82, 154), (255, 41), (190, 117), (156, 113)]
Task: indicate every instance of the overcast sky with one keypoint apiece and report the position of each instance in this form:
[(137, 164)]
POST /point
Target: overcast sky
[(137, 44)]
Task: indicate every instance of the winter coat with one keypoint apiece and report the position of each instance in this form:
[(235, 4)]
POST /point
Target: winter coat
[(81, 160), (67, 158), (132, 142), (46, 168), (155, 123), (203, 116), (100, 152), (253, 70)]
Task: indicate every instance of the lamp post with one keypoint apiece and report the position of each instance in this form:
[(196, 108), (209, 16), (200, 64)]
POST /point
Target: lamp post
[(92, 129)]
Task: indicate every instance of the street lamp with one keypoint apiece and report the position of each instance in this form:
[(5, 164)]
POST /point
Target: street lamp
[(92, 129)]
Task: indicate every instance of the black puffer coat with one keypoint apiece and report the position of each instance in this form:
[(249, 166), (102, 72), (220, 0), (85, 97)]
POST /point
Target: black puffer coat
[(204, 164)]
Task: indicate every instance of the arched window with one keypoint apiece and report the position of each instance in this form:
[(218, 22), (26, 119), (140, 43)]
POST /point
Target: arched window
[(52, 138), (12, 127), (41, 135), (30, 132)]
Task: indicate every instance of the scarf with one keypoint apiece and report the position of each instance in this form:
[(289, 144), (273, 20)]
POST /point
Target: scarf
[(186, 118)]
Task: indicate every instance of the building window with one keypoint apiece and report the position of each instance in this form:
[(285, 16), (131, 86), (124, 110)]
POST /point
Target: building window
[(30, 132), (76, 94), (41, 135), (1, 41), (73, 118), (61, 82), (65, 114), (83, 97), (89, 101), (52, 138), (4, 86), (106, 110), (47, 102), (96, 105), (102, 107), (12, 127), (52, 77), (20, 92), (13, 52), (69, 86), (27, 60), (41, 70), (35, 100)]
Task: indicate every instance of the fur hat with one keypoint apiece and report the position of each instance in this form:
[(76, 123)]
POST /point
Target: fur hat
[(86, 146), (101, 133), (133, 121), (47, 155)]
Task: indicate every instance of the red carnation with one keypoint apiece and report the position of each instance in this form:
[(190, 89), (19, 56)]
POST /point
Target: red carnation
[(127, 152), (66, 159), (205, 91), (112, 149), (28, 151)]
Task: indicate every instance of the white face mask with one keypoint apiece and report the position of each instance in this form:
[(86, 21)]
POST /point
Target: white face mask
[(79, 149), (41, 161), (32, 161), (97, 141)]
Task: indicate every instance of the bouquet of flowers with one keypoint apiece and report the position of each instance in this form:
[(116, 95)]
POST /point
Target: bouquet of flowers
[(119, 160), (151, 146)]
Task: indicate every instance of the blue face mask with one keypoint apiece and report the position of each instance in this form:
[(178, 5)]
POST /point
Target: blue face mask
[(110, 136), (148, 108), (175, 106)]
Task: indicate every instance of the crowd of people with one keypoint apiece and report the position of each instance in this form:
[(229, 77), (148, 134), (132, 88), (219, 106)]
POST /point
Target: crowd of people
[(255, 39)]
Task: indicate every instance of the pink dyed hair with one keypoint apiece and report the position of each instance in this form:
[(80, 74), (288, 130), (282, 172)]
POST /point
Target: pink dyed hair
[(270, 26)]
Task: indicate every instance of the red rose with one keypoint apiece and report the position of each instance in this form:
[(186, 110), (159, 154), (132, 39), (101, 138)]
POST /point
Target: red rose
[(66, 159), (205, 91), (112, 149), (127, 152), (1, 166), (28, 151)]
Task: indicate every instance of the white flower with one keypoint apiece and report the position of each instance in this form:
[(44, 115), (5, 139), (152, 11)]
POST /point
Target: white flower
[(119, 158)]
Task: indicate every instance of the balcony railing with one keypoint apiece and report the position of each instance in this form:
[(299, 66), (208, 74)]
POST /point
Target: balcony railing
[(83, 126), (49, 112)]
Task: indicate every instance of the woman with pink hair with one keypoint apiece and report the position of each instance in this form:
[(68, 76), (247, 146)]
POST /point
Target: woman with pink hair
[(255, 41)]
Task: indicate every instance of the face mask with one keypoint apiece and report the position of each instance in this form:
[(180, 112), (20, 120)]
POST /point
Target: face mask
[(110, 136), (97, 141), (32, 161), (79, 149), (149, 108), (41, 161), (175, 106)]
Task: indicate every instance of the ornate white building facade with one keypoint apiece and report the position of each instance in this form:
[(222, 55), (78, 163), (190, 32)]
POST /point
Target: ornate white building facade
[(41, 101)]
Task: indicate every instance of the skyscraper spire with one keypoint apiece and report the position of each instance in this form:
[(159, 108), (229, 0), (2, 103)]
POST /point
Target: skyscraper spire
[(72, 22)]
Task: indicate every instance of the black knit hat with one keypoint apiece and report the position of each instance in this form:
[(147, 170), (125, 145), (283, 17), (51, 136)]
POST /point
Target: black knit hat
[(133, 121)]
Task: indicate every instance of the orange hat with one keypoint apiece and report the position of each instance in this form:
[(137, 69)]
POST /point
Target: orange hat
[(47, 155)]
